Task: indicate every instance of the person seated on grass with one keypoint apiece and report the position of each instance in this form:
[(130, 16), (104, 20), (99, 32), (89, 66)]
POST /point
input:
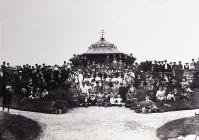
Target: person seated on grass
[(131, 97), (76, 99), (160, 95), (141, 91), (57, 109), (113, 99), (152, 93), (171, 97), (99, 99), (147, 106), (44, 93), (184, 97), (24, 93), (186, 93), (106, 100), (176, 93), (37, 93), (83, 99), (31, 93), (128, 99), (119, 101), (134, 97), (92, 100), (122, 91)]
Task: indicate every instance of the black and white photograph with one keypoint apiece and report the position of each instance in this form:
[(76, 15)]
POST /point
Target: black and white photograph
[(99, 70)]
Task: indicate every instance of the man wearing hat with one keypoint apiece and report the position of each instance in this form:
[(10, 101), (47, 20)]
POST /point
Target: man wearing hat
[(186, 66), (174, 66), (197, 65), (180, 66), (3, 67), (166, 67)]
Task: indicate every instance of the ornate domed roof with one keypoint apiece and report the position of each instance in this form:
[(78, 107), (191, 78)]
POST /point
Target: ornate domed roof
[(102, 46), (99, 51)]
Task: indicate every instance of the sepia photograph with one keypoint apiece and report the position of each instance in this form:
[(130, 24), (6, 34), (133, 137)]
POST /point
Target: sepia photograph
[(99, 70)]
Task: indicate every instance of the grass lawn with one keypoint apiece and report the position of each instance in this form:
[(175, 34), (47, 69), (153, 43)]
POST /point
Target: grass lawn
[(180, 127), (16, 127)]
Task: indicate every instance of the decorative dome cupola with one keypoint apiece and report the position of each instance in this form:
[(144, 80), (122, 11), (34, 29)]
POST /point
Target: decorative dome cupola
[(101, 51), (102, 47)]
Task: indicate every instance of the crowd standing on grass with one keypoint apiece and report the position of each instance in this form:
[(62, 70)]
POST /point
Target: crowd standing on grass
[(113, 83)]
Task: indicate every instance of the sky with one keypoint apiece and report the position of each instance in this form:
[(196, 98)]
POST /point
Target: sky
[(51, 31)]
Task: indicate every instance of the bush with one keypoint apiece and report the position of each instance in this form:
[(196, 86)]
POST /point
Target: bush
[(44, 106), (61, 94), (58, 100), (60, 107), (180, 127), (41, 105), (16, 127)]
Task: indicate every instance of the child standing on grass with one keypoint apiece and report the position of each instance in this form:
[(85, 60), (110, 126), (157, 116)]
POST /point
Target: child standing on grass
[(7, 98)]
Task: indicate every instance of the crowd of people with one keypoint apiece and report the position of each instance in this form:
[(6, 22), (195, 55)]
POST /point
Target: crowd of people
[(141, 86)]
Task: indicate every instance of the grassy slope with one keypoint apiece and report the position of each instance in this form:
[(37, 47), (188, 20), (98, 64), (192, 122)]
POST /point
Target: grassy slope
[(16, 127)]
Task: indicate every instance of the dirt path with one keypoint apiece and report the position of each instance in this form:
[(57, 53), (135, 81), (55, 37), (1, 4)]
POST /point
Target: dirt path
[(99, 123)]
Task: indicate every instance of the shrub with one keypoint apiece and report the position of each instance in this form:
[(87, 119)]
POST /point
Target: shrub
[(57, 99), (60, 107), (41, 105), (16, 127), (180, 127)]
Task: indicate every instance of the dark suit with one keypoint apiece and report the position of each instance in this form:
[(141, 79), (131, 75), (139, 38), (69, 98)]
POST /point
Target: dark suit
[(180, 66), (155, 67), (166, 68), (160, 68), (186, 67)]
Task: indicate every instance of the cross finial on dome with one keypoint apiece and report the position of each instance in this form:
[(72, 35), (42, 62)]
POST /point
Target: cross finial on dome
[(102, 32)]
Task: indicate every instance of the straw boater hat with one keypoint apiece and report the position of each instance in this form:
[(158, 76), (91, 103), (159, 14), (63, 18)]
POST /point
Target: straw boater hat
[(8, 87)]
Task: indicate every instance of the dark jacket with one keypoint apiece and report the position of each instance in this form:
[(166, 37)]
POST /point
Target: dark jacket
[(168, 68), (7, 98)]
